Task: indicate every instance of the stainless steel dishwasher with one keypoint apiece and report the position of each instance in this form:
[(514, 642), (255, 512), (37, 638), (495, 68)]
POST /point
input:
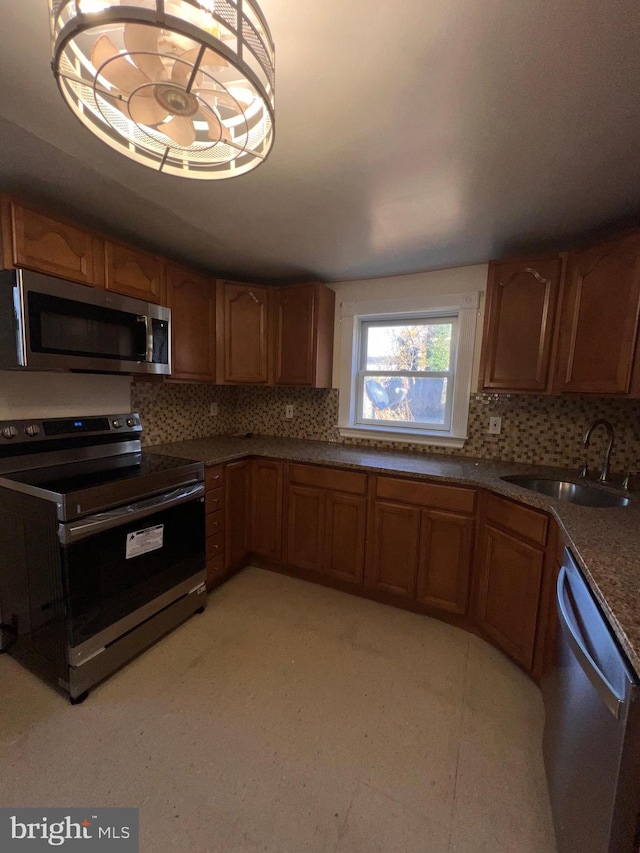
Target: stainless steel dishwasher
[(591, 739)]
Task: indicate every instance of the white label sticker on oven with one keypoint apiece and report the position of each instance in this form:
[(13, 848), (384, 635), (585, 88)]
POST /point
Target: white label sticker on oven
[(142, 541)]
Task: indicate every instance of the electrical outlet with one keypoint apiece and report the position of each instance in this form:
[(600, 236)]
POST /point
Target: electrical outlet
[(213, 410), (288, 411), (495, 426)]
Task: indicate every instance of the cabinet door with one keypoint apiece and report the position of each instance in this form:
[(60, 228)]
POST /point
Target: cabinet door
[(42, 244), (509, 593), (237, 511), (134, 273), (445, 560), (294, 335), (303, 335), (392, 563), (521, 305), (306, 527), (242, 330), (192, 299), (599, 318), (266, 508), (344, 536)]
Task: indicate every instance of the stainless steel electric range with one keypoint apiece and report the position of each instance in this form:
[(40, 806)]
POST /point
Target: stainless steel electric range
[(102, 546)]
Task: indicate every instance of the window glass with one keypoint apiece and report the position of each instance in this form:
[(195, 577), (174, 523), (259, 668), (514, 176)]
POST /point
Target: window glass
[(406, 372)]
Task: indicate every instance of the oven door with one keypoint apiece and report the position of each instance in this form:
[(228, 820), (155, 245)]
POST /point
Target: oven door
[(122, 566)]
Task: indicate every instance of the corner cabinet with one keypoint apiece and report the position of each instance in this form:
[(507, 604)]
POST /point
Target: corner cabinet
[(522, 297), (303, 335), (242, 332), (135, 273), (598, 351), (35, 241), (192, 299)]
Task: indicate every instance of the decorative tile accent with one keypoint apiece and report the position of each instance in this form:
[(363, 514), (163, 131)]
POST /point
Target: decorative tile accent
[(179, 411), (262, 410), (535, 429)]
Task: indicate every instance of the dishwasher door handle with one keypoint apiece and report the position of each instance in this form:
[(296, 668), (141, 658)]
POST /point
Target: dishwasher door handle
[(590, 668), (93, 524)]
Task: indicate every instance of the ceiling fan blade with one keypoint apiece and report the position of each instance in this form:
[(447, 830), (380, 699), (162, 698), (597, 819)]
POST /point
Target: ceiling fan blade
[(181, 130), (118, 71), (183, 66), (146, 110), (217, 131), (215, 99), (143, 43)]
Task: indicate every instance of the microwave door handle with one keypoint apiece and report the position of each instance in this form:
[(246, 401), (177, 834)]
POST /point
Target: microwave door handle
[(590, 668), (145, 349), (93, 524)]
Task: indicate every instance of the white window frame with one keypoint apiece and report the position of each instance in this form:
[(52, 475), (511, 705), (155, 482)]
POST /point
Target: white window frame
[(464, 306)]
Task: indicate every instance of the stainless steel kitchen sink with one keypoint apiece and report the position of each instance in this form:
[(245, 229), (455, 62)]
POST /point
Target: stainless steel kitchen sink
[(575, 493)]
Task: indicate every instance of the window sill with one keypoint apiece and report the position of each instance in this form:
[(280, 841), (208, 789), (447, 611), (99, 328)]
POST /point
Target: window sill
[(403, 436)]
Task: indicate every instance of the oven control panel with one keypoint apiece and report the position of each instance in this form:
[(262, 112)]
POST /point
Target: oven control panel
[(27, 431)]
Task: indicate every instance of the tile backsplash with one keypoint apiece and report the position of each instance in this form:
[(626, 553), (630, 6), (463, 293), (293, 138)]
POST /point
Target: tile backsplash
[(536, 429)]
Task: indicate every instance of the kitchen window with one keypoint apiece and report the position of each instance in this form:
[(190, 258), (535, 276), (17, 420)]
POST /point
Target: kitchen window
[(406, 369)]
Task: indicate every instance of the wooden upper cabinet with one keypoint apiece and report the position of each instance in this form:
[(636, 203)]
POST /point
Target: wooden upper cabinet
[(37, 242), (192, 299), (133, 272), (303, 335), (599, 319), (242, 324), (518, 336)]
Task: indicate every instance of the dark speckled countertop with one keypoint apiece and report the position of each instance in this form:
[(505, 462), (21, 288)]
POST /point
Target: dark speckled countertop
[(606, 542)]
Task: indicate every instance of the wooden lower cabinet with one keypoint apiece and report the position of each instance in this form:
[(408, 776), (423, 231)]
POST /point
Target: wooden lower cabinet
[(444, 568), (237, 506), (509, 592), (266, 508), (327, 522), (421, 542), (214, 521), (305, 526), (394, 547), (345, 530)]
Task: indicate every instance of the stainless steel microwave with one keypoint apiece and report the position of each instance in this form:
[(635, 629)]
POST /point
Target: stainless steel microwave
[(50, 324)]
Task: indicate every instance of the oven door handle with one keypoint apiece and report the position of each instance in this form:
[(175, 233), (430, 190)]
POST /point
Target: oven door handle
[(93, 524)]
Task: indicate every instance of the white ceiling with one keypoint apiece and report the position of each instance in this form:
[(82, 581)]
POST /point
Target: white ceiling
[(410, 135)]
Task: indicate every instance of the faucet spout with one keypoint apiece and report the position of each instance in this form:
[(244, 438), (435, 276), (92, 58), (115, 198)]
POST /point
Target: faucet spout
[(604, 471)]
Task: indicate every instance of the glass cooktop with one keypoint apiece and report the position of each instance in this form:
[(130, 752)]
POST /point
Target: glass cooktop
[(80, 476)]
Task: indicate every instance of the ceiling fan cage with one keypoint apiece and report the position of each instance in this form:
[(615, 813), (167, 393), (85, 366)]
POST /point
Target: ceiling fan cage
[(186, 87)]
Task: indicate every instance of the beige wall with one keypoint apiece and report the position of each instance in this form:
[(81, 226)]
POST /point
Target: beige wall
[(458, 280), (24, 394)]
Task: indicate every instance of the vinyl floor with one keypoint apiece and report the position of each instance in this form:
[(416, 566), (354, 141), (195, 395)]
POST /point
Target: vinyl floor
[(290, 718)]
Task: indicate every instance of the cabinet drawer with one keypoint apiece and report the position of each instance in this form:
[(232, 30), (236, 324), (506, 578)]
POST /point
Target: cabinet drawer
[(215, 569), (215, 546), (214, 477), (329, 478), (215, 523), (426, 494), (214, 500), (526, 522)]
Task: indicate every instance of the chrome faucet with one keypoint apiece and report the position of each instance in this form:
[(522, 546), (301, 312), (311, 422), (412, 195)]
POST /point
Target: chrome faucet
[(604, 471)]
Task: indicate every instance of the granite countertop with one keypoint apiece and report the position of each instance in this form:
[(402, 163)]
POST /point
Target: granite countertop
[(605, 541)]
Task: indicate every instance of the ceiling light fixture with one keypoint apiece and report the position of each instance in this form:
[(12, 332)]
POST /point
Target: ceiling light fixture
[(186, 87)]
